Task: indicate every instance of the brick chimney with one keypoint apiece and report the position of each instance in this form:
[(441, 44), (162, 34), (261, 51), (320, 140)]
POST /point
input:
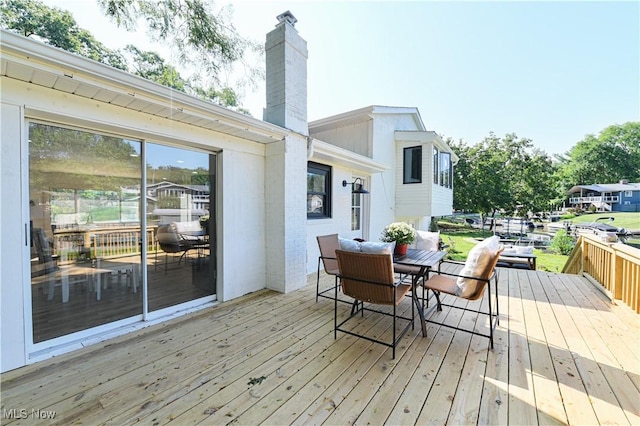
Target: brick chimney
[(286, 79)]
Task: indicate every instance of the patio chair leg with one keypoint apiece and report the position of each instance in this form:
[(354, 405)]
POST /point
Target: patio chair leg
[(354, 307), (438, 300), (318, 281), (490, 316), (335, 314), (497, 307)]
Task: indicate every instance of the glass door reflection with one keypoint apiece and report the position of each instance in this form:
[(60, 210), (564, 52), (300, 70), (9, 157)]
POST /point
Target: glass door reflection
[(85, 229), (181, 261)]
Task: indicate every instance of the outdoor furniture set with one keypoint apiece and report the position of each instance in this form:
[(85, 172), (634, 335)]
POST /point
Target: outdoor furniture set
[(371, 275)]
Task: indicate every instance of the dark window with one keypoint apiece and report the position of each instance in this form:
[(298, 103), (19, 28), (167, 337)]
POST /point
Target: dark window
[(318, 191), (412, 167)]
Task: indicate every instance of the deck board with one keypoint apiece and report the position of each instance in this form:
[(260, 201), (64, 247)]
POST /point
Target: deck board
[(563, 354)]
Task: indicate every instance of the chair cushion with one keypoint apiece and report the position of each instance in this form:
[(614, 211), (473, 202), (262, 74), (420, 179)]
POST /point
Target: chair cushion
[(188, 228), (349, 245), (478, 261), (427, 240), (442, 283), (376, 248)]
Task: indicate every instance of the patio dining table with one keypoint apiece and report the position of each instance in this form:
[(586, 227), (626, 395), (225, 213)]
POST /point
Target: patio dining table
[(424, 260)]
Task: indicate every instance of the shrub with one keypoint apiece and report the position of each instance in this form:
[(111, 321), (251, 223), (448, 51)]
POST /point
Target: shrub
[(562, 243)]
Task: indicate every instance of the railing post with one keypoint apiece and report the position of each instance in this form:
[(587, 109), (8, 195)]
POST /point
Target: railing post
[(616, 274), (583, 257)]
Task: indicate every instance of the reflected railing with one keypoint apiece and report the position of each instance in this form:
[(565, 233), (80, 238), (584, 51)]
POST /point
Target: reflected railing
[(107, 242)]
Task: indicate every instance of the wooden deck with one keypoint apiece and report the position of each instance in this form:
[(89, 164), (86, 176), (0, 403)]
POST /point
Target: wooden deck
[(563, 355)]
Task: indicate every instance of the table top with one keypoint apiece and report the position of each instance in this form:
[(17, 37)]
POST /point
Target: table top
[(425, 258), (522, 255)]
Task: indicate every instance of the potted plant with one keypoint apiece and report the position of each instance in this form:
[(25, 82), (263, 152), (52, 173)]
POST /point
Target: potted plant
[(401, 233)]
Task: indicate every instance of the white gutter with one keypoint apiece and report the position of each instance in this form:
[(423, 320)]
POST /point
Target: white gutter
[(326, 152), (33, 55)]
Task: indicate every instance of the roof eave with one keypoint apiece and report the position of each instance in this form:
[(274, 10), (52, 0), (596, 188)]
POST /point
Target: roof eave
[(32, 56)]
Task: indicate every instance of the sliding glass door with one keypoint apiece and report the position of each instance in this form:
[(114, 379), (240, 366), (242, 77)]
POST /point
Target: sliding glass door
[(88, 205), (181, 264)]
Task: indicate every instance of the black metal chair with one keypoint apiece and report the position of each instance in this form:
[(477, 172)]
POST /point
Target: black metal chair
[(474, 289), (328, 244)]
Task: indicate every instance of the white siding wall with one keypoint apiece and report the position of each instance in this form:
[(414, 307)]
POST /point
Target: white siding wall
[(384, 188), (413, 199), (243, 232), (442, 201), (354, 137), (340, 221), (12, 243)]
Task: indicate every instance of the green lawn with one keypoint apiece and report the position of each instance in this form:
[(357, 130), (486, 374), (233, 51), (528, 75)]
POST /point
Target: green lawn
[(629, 221), (460, 242)]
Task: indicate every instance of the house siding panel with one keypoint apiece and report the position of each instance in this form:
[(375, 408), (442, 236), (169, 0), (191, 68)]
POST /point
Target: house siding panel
[(12, 243), (354, 137)]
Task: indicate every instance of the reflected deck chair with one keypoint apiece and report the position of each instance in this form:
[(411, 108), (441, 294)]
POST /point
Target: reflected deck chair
[(171, 242)]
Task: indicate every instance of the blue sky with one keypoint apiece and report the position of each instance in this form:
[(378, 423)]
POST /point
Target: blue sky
[(548, 71)]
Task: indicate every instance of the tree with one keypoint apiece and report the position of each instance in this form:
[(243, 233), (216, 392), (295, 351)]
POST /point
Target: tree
[(506, 174), (202, 38), (611, 156), (57, 28), (184, 19)]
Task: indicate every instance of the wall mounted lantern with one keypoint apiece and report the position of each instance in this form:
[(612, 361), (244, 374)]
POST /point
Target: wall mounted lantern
[(356, 188)]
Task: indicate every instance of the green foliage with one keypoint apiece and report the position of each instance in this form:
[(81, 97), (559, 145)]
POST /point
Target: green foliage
[(506, 174), (611, 156), (562, 243), (65, 155), (200, 36), (56, 27), (433, 225)]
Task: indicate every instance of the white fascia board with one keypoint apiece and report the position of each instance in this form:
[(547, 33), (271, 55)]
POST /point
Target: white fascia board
[(41, 57), (416, 136), (364, 114), (326, 152), (426, 137), (413, 111)]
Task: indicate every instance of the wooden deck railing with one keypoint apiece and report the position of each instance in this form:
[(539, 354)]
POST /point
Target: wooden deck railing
[(615, 266)]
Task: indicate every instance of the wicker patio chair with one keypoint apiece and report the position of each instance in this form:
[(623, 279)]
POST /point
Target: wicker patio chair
[(470, 284), (369, 278)]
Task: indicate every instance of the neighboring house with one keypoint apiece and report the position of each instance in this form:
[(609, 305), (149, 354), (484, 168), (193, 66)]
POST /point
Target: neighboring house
[(607, 197), (82, 141)]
